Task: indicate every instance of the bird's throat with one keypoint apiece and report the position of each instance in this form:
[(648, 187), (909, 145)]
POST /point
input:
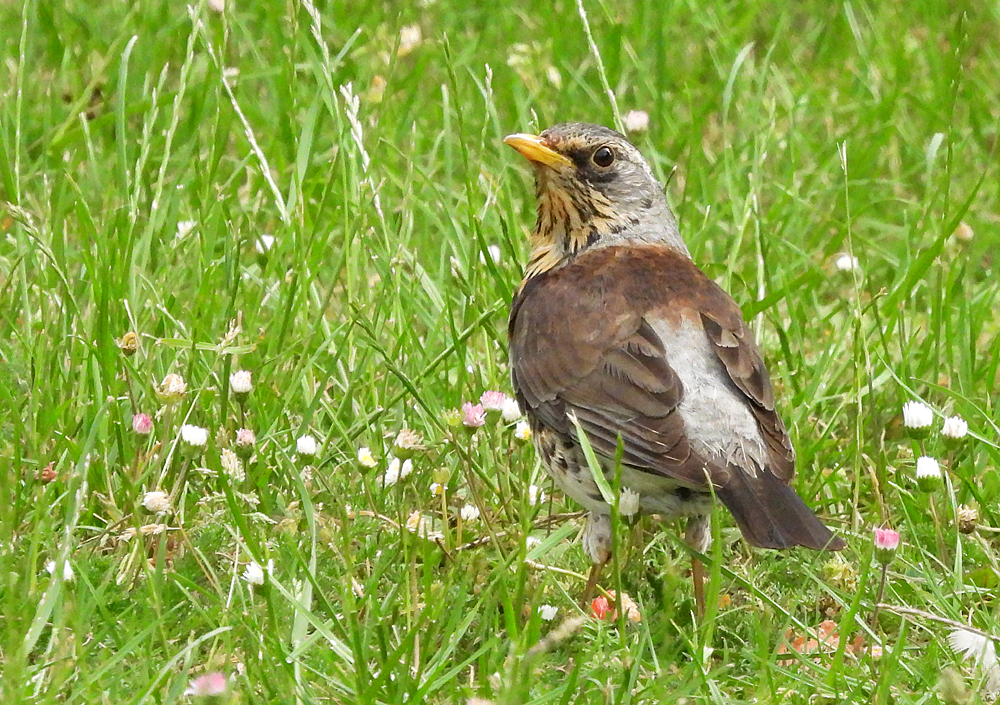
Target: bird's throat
[(566, 226)]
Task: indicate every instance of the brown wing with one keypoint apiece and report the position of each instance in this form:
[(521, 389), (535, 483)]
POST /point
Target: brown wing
[(580, 342), (634, 392)]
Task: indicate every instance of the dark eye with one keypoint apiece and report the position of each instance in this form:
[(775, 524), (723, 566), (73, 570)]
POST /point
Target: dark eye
[(604, 157)]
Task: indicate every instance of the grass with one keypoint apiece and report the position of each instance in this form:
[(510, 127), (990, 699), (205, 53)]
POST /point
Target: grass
[(145, 149)]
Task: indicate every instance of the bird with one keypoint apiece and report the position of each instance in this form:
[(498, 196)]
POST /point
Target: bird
[(615, 332)]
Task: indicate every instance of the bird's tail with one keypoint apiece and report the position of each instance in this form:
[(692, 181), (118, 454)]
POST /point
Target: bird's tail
[(771, 515)]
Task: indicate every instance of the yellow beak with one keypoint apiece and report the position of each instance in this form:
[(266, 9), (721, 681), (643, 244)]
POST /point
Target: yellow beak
[(532, 147)]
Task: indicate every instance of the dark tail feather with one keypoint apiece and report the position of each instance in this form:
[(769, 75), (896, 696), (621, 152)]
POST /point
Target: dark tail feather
[(771, 515)]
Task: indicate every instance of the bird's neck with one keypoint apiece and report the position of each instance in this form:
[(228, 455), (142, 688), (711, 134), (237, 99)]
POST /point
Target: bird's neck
[(567, 226)]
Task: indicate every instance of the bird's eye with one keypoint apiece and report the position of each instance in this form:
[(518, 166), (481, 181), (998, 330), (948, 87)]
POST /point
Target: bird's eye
[(604, 157)]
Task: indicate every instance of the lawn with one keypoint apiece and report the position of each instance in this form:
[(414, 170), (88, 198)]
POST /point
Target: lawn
[(318, 194)]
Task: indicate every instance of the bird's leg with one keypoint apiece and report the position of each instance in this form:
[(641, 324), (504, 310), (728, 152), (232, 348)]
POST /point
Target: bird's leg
[(597, 544), (698, 536), (698, 578), (595, 575)]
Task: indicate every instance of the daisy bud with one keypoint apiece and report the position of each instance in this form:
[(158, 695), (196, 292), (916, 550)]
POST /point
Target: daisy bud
[(470, 512), (846, 262), (242, 384), (955, 430), (636, 121), (886, 545), (195, 438), (968, 518), (407, 443), (171, 390), (473, 416), (536, 495), (305, 446), (917, 418), (157, 502), (628, 503), (510, 411), (208, 685), (129, 344), (142, 424), (245, 442), (493, 401), (928, 474)]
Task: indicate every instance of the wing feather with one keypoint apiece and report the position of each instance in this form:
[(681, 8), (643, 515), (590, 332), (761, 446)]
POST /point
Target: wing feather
[(582, 340)]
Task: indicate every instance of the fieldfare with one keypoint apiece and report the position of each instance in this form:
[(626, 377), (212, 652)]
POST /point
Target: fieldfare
[(615, 326)]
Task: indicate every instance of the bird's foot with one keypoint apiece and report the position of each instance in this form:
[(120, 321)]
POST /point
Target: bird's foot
[(591, 587)]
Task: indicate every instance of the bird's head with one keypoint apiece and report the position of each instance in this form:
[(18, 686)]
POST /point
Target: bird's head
[(594, 189)]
